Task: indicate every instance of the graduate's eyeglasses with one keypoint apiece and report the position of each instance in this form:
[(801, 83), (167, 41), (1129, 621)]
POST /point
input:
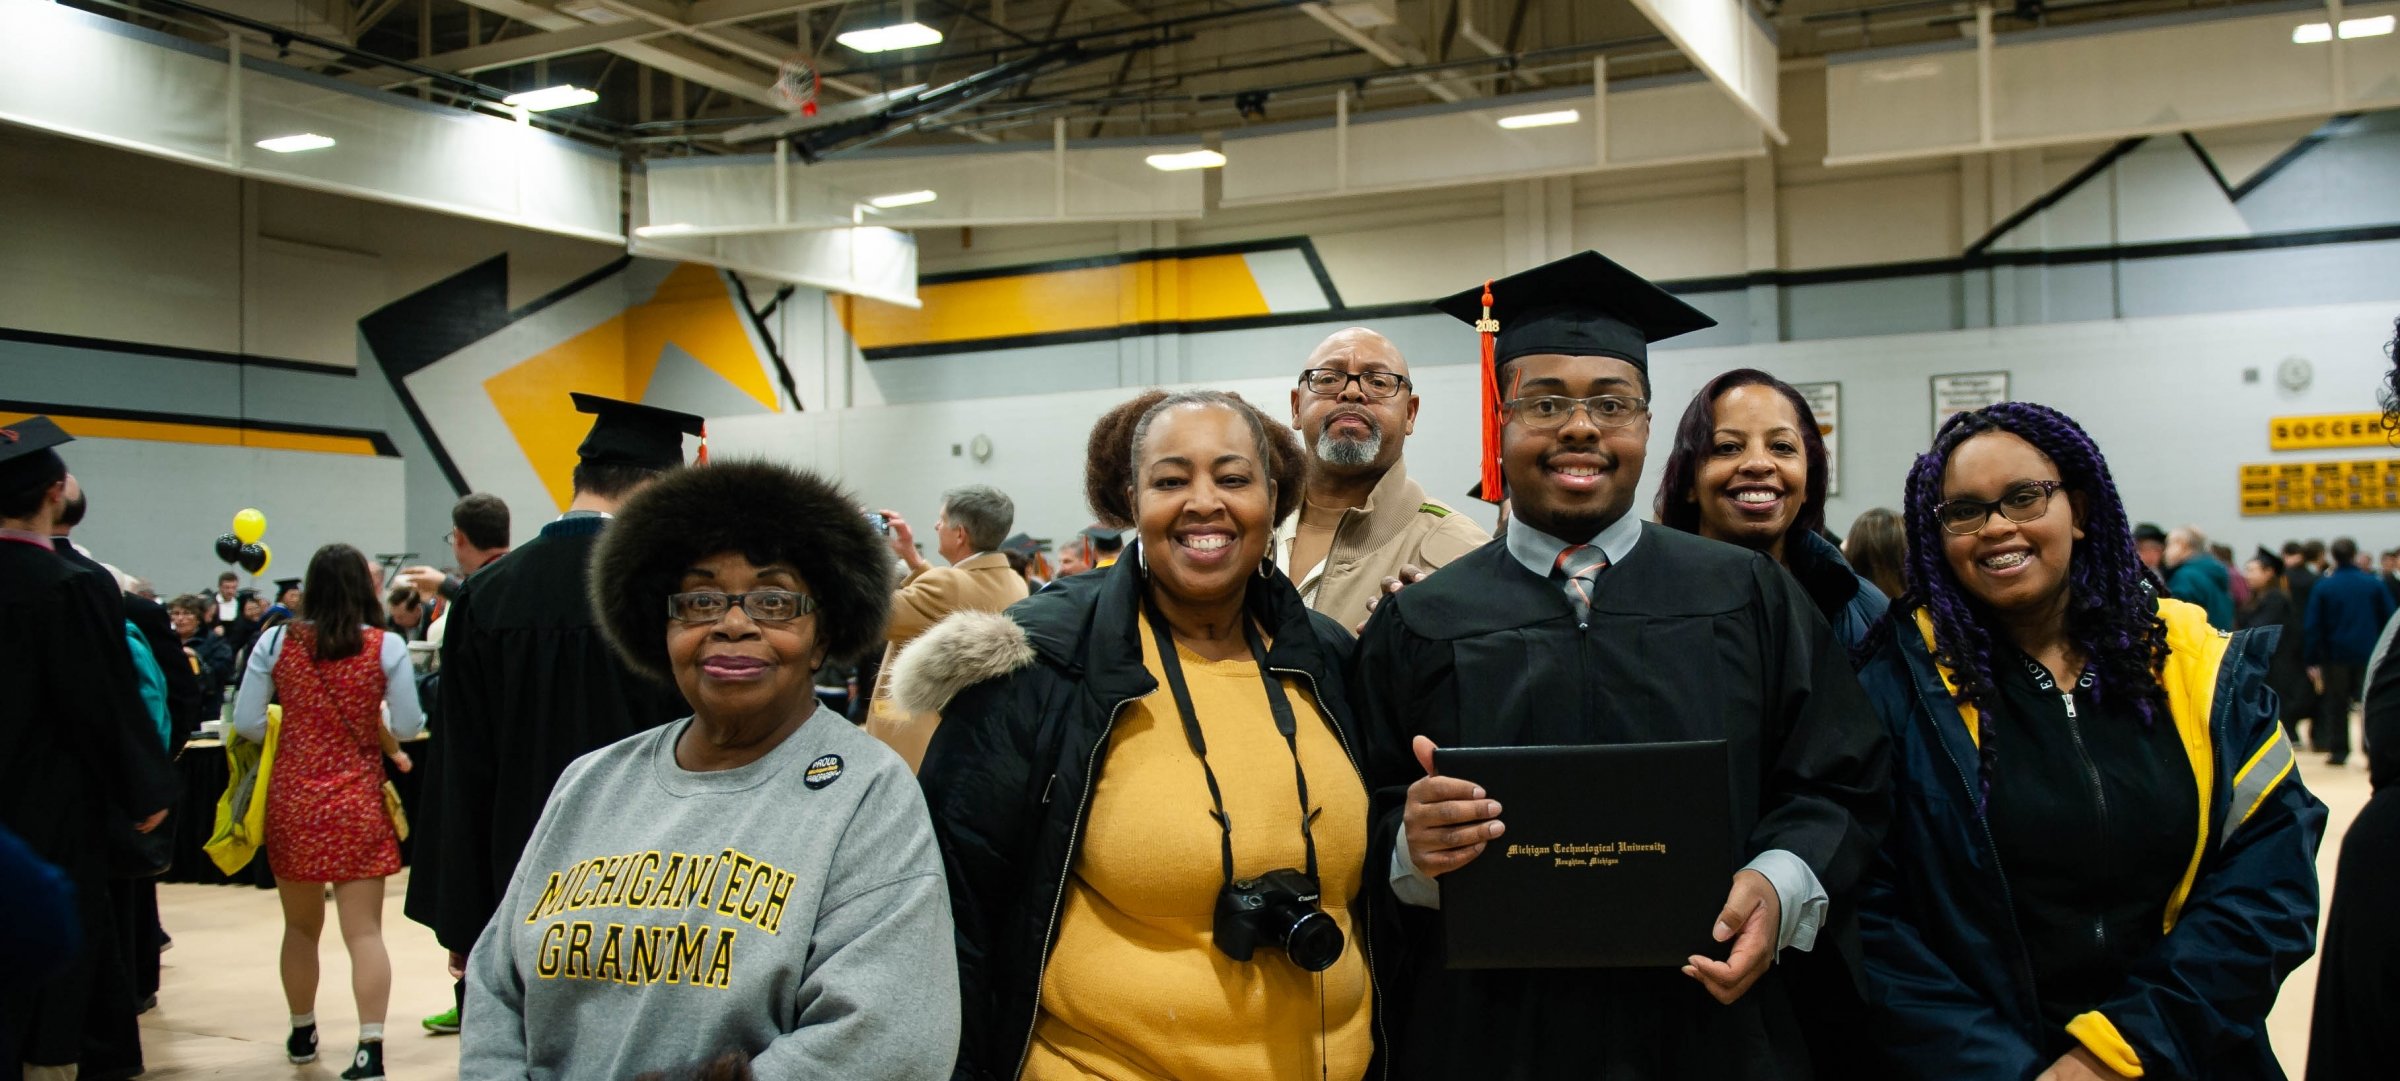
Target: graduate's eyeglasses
[(1328, 382), (1554, 410), (2024, 503), (763, 605)]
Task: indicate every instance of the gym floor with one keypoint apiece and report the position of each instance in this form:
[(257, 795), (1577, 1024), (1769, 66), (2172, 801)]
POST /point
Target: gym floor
[(221, 1012)]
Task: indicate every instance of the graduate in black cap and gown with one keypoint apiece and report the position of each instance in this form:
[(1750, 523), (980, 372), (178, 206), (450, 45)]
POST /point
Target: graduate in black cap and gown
[(1585, 625), (528, 682), (81, 765)]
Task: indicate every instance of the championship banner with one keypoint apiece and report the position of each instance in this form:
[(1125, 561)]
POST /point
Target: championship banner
[(2368, 484)]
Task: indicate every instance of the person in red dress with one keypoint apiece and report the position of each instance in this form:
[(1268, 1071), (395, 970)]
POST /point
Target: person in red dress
[(335, 671)]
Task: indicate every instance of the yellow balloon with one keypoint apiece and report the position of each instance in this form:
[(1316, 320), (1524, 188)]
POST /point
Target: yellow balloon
[(249, 525), (266, 558)]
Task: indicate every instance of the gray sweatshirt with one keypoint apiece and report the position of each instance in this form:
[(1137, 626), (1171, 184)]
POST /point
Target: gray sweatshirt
[(793, 909)]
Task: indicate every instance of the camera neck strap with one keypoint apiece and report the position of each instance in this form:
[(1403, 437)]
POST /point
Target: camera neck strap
[(1277, 701)]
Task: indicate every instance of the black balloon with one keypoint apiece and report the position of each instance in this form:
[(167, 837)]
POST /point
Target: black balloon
[(254, 558), (229, 548)]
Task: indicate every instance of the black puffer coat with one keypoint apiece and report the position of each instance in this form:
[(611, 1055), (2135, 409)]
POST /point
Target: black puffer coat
[(1027, 700)]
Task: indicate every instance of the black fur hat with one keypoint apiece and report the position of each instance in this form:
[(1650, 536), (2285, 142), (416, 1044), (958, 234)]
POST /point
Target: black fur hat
[(769, 513)]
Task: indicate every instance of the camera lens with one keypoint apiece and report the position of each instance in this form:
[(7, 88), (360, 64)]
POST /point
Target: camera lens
[(1314, 943)]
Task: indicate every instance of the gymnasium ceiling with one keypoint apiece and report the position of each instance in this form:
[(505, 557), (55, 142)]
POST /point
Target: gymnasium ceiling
[(672, 76)]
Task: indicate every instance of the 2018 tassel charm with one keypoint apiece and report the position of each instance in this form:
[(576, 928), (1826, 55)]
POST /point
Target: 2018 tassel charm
[(1489, 329)]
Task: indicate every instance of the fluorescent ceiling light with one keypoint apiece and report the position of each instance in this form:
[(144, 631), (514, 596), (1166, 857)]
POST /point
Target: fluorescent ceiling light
[(2368, 28), (293, 144), (884, 39), (1540, 120), (551, 97), (905, 198), (1189, 159), (663, 230), (2319, 33)]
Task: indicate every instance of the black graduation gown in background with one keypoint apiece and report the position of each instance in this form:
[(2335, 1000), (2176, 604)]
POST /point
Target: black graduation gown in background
[(2351, 1035), (528, 685), (80, 762), (1688, 639)]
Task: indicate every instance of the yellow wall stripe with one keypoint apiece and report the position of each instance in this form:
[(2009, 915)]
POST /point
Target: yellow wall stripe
[(1164, 289), (223, 435)]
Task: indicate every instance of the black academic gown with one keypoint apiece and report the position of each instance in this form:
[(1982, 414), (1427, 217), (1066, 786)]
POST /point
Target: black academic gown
[(80, 762), (1688, 639), (528, 685)]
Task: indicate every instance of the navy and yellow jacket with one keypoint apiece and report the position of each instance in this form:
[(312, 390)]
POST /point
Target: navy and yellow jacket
[(1947, 975)]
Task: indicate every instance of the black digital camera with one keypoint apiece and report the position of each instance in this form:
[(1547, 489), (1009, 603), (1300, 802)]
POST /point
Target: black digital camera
[(1278, 908)]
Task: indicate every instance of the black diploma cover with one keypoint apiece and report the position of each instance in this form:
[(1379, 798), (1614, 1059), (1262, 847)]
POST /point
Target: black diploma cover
[(1616, 856)]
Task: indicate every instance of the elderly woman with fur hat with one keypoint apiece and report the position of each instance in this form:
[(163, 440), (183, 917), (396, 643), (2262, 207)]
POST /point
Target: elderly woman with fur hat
[(755, 887), (1154, 828)]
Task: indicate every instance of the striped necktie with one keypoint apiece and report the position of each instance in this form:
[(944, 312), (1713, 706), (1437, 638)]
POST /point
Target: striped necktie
[(1580, 565)]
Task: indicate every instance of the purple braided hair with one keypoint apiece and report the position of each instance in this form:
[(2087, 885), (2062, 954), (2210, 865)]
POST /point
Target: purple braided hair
[(2112, 617)]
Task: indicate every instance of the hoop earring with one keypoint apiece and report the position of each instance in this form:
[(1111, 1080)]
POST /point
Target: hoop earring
[(1266, 569), (1141, 558)]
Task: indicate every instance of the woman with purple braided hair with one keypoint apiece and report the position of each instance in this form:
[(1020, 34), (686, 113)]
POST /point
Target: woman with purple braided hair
[(2101, 863)]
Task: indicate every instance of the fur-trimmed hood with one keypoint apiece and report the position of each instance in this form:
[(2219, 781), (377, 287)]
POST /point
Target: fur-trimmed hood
[(959, 652)]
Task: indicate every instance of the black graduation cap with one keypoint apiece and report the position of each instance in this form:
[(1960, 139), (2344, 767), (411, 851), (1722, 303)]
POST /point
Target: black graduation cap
[(285, 585), (2267, 558), (629, 433), (21, 445), (1584, 305), (1025, 545)]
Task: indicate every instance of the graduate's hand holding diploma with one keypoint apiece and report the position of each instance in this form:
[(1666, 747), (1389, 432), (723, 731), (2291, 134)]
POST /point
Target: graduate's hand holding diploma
[(1752, 916), (1448, 820)]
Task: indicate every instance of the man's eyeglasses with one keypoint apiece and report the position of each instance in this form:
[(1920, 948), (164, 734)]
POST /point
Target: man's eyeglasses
[(1554, 410), (2023, 503), (1329, 382), (763, 605)]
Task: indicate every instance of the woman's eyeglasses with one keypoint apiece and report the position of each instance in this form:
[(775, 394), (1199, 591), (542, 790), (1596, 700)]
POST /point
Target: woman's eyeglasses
[(1554, 410), (762, 605), (2023, 503), (1328, 382)]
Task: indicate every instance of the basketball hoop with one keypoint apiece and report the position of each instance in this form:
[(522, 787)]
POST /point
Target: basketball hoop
[(797, 83)]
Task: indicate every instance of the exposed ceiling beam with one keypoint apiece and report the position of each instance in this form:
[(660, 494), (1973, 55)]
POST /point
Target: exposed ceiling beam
[(1379, 45), (546, 45), (690, 62), (748, 44), (720, 12)]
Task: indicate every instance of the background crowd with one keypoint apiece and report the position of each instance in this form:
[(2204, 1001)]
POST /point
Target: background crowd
[(915, 801)]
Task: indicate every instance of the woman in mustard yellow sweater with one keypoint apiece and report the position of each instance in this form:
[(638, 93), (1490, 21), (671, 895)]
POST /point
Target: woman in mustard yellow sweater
[(1145, 789)]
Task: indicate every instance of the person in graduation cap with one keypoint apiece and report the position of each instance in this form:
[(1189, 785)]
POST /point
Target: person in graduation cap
[(529, 682), (1584, 625), (80, 761)]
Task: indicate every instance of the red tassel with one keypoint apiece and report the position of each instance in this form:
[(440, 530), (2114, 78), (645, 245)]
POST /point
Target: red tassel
[(702, 457), (1489, 329)]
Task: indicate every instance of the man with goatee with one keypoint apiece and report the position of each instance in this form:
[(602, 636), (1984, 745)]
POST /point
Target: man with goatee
[(1362, 520)]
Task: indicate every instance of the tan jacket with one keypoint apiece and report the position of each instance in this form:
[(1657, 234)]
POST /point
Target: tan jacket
[(983, 583), (1399, 524)]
